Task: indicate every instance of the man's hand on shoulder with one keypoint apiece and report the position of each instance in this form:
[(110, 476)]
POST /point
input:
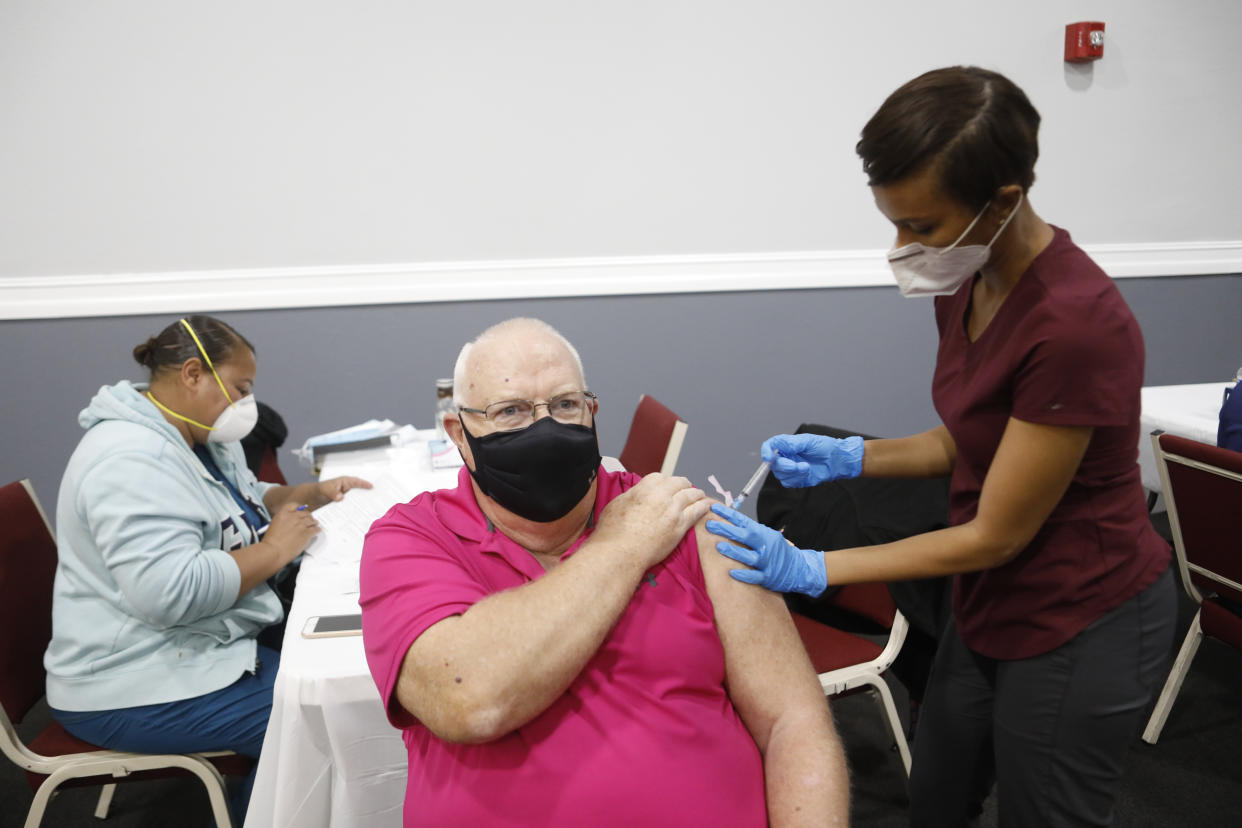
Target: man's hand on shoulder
[(649, 520)]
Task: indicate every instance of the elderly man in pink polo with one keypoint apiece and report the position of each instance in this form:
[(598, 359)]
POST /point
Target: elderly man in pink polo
[(561, 645)]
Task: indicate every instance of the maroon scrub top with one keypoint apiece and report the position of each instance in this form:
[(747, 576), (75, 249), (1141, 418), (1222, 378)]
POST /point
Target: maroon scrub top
[(1065, 350)]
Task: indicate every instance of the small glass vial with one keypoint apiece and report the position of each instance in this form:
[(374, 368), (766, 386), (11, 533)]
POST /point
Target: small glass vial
[(444, 405)]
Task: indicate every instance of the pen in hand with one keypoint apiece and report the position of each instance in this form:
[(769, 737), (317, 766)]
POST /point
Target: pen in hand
[(263, 529)]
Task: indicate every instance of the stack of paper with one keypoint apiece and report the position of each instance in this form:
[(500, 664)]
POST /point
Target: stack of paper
[(371, 434), (346, 521)]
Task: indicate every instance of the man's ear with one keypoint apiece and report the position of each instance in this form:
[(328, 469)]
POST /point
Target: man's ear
[(452, 427)]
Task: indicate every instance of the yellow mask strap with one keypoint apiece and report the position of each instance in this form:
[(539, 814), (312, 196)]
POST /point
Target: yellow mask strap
[(203, 351), (172, 413)]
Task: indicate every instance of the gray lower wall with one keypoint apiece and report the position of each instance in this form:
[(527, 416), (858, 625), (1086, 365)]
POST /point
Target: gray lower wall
[(736, 366)]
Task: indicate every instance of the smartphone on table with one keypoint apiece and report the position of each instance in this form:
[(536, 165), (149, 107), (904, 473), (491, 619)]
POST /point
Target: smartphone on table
[(332, 626)]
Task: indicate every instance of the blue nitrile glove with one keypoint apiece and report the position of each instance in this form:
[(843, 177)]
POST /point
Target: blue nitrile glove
[(809, 459), (777, 564)]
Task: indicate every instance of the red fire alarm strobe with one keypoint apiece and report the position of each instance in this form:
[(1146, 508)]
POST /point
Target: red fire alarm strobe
[(1084, 42)]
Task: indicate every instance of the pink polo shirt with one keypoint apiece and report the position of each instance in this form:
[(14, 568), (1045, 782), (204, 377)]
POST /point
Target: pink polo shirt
[(646, 734)]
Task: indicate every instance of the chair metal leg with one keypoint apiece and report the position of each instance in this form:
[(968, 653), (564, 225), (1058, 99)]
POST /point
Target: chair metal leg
[(37, 807), (1173, 685), (105, 801), (214, 783), (892, 720)]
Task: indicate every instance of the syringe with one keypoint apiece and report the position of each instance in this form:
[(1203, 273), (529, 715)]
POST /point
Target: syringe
[(750, 484)]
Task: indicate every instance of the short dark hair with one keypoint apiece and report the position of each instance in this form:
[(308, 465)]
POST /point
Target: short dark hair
[(976, 125), (171, 347)]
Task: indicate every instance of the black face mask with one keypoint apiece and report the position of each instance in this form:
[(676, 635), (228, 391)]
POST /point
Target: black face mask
[(540, 472)]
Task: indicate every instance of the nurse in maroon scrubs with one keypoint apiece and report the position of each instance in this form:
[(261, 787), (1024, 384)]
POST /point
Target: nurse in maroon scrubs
[(1063, 601)]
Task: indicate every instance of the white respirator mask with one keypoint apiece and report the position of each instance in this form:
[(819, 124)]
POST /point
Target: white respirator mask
[(938, 271), (236, 421)]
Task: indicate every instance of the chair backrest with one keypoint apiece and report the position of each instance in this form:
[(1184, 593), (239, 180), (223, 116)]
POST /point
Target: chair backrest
[(655, 438), (1203, 489), (872, 601), (269, 469), (27, 569)]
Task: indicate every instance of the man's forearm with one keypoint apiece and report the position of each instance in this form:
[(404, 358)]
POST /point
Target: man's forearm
[(805, 777), (478, 676)]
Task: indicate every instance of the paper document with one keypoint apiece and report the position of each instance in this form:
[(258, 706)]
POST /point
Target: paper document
[(345, 522)]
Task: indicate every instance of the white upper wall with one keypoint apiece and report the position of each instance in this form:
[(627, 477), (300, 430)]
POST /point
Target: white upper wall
[(150, 135)]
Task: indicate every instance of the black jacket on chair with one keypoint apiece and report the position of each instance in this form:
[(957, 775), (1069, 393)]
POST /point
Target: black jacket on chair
[(268, 434)]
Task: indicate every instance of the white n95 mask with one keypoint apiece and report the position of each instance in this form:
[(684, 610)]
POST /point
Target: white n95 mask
[(236, 421), (937, 271)]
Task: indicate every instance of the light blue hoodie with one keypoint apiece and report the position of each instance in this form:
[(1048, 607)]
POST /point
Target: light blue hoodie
[(145, 606)]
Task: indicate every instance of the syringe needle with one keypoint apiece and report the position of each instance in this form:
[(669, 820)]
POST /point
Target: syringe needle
[(750, 484)]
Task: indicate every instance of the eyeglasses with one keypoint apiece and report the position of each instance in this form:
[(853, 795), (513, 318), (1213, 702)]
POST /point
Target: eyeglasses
[(507, 415)]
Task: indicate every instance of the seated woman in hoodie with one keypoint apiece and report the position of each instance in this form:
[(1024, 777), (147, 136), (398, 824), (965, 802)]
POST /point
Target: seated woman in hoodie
[(162, 587)]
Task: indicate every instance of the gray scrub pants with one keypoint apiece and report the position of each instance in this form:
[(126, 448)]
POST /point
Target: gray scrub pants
[(1052, 730)]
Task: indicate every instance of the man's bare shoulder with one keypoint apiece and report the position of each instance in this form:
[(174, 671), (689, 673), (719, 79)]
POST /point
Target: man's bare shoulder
[(767, 670), (755, 604)]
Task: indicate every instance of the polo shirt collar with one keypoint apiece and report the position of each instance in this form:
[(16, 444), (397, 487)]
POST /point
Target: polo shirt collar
[(459, 512)]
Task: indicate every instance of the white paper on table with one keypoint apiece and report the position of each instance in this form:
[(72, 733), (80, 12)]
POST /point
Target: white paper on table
[(368, 464), (344, 523), (406, 434)]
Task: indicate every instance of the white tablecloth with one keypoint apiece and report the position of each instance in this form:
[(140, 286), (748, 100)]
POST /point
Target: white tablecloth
[(1191, 411), (330, 757)]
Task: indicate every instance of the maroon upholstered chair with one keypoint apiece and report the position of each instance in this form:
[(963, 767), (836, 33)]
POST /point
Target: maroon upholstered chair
[(655, 438), (54, 758), (1202, 487), (849, 663), (269, 469)]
